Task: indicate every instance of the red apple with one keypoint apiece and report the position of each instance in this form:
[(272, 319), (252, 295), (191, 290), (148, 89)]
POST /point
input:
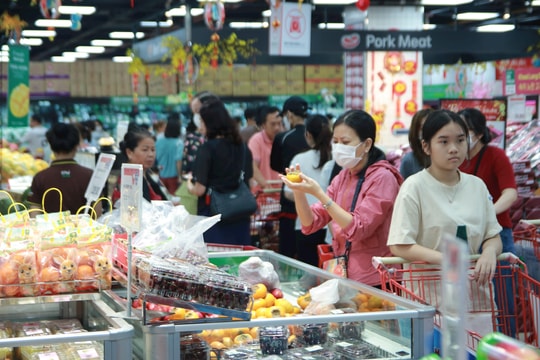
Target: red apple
[(278, 294)]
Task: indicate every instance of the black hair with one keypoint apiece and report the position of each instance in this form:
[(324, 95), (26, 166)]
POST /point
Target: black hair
[(218, 121), (250, 113), (63, 138), (84, 130), (132, 139), (415, 140), (476, 121), (263, 112), (172, 129), (36, 118), (439, 119), (319, 128)]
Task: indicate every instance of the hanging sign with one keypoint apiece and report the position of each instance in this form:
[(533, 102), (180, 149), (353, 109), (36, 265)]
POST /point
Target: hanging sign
[(99, 176), (517, 109), (131, 197), (290, 32), (18, 89)]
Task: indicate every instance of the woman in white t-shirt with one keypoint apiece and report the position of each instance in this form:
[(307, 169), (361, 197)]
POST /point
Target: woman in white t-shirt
[(318, 137), (439, 200)]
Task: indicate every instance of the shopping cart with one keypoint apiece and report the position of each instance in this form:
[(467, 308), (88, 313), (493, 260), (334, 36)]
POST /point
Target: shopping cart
[(421, 282), (527, 236), (265, 221)]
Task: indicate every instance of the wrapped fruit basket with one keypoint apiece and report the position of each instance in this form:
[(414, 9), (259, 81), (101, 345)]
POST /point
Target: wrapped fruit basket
[(371, 325)]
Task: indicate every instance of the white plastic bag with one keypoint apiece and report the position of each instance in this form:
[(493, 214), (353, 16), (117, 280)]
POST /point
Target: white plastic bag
[(255, 271), (325, 296)]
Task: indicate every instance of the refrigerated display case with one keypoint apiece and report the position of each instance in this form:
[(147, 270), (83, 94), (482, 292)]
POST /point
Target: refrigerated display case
[(402, 330), (27, 324)]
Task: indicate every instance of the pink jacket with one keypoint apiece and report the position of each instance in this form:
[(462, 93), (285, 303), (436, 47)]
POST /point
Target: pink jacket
[(368, 232)]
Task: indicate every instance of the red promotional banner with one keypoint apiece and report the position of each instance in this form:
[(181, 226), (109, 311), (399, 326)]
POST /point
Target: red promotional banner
[(502, 65), (527, 81)]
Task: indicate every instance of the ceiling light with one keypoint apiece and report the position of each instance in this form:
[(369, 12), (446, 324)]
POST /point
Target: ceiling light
[(477, 15), (38, 33), (122, 59), (248, 25), (333, 2), (496, 28), (90, 49), (5, 47), (4, 58), (82, 10), (266, 13), (161, 24), (223, 1), (429, 26), (179, 11), (31, 41), (106, 42), (53, 23), (506, 14), (535, 3), (444, 2), (332, 26), (62, 59), (197, 11), (125, 35), (77, 55)]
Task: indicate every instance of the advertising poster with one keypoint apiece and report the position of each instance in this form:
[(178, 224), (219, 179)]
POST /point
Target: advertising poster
[(18, 89), (290, 30)]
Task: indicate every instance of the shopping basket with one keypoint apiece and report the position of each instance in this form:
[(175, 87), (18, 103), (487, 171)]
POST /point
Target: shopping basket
[(421, 282), (265, 222)]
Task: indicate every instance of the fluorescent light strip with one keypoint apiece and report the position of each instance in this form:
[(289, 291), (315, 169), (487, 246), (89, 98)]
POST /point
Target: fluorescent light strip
[(31, 41), (75, 54), (82, 10), (445, 3), (181, 11), (125, 35), (90, 49), (161, 24), (53, 23), (266, 13), (223, 1), (496, 28), (106, 42), (62, 59), (429, 26), (122, 59), (535, 3), (248, 25), (4, 58), (331, 26), (333, 2), (477, 15), (38, 33), (5, 47)]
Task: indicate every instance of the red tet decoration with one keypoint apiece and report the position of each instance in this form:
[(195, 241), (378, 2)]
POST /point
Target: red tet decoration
[(214, 15), (399, 88), (410, 67), (362, 5)]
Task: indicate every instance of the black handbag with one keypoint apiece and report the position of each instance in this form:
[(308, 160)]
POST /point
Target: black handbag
[(234, 204)]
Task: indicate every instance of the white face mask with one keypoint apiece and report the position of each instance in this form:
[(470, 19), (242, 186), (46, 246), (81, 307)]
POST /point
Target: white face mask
[(197, 120), (286, 123), (472, 143), (345, 155)]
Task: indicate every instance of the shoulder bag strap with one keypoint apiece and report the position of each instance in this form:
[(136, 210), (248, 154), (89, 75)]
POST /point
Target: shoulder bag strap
[(480, 155), (353, 205), (243, 163)]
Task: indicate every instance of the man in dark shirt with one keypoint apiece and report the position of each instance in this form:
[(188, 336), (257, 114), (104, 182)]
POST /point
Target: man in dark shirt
[(285, 146)]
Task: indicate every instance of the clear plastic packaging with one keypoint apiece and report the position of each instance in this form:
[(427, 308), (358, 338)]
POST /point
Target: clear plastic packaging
[(194, 348), (273, 340)]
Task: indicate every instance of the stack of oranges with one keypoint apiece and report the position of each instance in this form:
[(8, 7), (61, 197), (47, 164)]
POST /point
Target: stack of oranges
[(265, 304)]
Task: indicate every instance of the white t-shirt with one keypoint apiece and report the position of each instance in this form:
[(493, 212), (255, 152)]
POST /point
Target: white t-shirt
[(35, 139)]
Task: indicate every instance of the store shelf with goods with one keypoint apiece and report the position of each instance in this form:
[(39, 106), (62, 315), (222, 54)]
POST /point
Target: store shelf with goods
[(77, 324), (387, 326)]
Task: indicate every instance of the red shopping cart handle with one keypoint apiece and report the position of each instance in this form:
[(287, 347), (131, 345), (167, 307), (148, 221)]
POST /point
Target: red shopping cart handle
[(378, 261)]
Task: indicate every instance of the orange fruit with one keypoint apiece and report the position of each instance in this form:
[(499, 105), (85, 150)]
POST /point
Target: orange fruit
[(85, 272), (217, 345), (227, 341), (243, 339), (374, 302), (269, 299), (294, 176), (304, 300), (257, 304), (275, 311), (254, 332), (285, 304), (261, 312), (296, 310), (259, 291)]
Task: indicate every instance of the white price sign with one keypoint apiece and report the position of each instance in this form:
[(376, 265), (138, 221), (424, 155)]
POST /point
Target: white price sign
[(99, 176), (131, 196)]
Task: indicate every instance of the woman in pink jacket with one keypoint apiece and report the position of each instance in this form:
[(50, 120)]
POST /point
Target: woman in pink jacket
[(359, 201)]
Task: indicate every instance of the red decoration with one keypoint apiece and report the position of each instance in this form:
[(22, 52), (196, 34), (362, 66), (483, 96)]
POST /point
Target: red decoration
[(411, 107), (214, 15), (393, 61), (276, 24), (362, 5), (49, 8), (399, 88), (410, 67)]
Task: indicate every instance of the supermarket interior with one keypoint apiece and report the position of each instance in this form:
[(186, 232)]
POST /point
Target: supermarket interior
[(269, 179)]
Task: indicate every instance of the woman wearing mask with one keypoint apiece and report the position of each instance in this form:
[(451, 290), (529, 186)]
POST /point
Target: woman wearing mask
[(367, 179), (139, 147), (218, 165), (319, 138), (415, 160)]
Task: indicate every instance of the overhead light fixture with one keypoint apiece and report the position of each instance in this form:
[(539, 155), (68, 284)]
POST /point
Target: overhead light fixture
[(122, 59), (477, 16), (223, 1), (90, 49), (333, 2), (53, 23), (161, 24), (75, 54), (248, 25), (81, 10), (125, 35), (444, 2), (506, 14), (38, 33), (331, 26), (5, 47), (429, 26), (266, 13), (106, 42), (535, 3), (496, 28), (62, 59), (31, 41), (197, 11), (4, 58), (181, 11)]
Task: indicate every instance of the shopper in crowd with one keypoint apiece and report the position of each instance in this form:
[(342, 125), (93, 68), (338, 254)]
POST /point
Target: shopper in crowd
[(218, 165), (251, 124), (169, 150), (64, 174), (158, 128), (260, 144), (415, 160), (319, 138), (367, 179), (139, 147), (491, 164), (285, 146), (34, 139), (442, 201), (98, 132)]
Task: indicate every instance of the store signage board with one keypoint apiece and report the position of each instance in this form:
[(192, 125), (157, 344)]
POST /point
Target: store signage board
[(510, 82), (99, 176), (18, 86), (290, 30), (517, 109), (527, 81), (131, 197)]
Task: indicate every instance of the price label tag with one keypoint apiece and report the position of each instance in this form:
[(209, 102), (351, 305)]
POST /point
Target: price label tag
[(99, 176), (131, 196)]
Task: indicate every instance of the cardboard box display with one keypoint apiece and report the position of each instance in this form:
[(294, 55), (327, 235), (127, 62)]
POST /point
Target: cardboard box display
[(295, 72), (37, 86), (57, 86), (241, 73), (278, 72), (223, 72), (525, 178), (242, 88), (296, 88), (521, 165), (37, 68), (278, 87), (56, 69), (261, 73), (223, 88), (206, 85), (260, 87)]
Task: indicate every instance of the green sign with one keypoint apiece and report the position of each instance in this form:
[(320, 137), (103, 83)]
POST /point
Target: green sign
[(142, 100), (18, 90), (436, 92)]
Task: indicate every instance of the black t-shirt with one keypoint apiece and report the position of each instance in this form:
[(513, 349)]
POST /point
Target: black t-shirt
[(218, 165)]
